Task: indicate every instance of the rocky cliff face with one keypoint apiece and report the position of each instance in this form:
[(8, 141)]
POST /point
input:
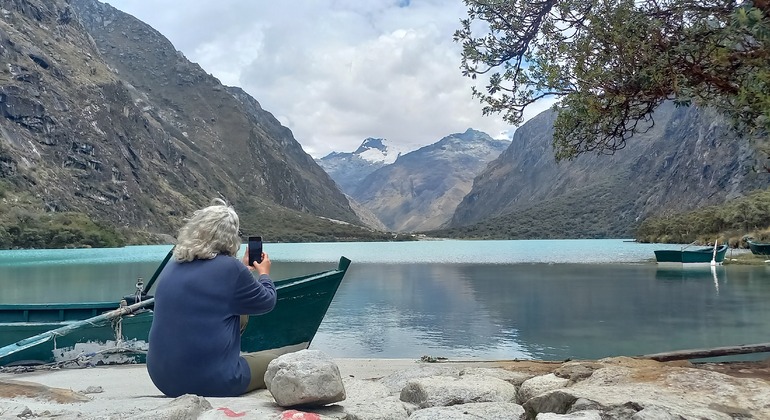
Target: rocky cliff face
[(688, 159), (100, 114), (421, 189)]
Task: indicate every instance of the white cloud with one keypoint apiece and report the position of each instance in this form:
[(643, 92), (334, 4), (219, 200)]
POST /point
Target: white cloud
[(333, 71)]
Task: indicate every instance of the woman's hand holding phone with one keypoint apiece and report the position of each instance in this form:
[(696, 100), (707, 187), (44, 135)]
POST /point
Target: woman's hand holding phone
[(264, 266), (261, 267)]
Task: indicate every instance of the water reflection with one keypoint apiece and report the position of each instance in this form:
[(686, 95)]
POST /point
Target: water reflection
[(390, 310), (545, 311), (697, 274)]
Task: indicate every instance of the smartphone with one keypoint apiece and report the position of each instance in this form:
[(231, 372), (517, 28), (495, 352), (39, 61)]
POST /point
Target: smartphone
[(255, 249)]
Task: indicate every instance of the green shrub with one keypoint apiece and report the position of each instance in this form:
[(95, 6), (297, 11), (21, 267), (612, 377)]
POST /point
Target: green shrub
[(58, 230), (749, 215)]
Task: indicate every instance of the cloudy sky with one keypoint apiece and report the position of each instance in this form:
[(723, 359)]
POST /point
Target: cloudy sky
[(334, 71)]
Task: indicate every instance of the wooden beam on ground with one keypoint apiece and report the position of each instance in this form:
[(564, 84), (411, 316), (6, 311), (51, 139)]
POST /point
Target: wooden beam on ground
[(712, 352)]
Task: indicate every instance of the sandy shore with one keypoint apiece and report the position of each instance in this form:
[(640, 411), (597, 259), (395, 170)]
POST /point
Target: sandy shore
[(125, 391)]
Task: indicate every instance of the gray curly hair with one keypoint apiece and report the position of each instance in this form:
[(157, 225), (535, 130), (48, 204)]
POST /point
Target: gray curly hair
[(210, 231)]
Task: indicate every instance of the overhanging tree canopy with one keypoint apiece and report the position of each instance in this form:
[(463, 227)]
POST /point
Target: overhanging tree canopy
[(611, 63)]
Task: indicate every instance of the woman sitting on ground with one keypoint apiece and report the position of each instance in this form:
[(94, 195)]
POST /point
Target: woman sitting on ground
[(203, 297)]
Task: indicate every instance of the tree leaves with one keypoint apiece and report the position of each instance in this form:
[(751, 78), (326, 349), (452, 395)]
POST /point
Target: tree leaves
[(613, 62)]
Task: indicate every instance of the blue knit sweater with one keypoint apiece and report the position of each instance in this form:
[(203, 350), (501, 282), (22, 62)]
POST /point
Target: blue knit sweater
[(195, 340)]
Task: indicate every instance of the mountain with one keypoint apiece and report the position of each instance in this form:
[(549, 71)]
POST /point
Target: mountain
[(420, 190), (103, 122), (101, 115), (689, 158), (348, 169)]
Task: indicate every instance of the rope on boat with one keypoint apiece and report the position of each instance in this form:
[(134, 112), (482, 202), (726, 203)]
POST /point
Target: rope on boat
[(83, 360), (117, 324)]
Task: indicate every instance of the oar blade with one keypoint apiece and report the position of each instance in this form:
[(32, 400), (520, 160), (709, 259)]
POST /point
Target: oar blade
[(23, 345)]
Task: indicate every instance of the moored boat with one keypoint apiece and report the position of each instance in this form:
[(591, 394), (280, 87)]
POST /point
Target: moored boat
[(46, 333), (759, 248), (697, 256)]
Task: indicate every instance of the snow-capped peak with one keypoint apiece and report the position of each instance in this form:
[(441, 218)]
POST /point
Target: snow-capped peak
[(378, 150)]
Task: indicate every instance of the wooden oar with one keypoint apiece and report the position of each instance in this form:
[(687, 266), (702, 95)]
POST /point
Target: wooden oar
[(57, 332), (157, 272), (712, 352)]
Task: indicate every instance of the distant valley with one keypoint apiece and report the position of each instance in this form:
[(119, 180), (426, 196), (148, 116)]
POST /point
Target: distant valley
[(418, 190)]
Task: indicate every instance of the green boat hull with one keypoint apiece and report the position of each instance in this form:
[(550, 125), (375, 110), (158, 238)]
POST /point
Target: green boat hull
[(301, 307), (759, 248), (700, 256)]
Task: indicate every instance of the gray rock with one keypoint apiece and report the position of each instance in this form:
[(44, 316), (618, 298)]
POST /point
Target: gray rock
[(364, 389), (307, 378), (655, 413), (659, 391), (396, 381), (539, 384), (92, 390), (471, 411), (371, 400), (576, 371), (551, 402), (582, 404), (581, 415), (12, 411), (388, 408), (181, 408), (514, 378), (439, 391)]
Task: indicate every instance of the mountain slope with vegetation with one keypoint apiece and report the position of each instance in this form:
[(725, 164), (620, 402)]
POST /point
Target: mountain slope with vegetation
[(689, 159), (107, 129)]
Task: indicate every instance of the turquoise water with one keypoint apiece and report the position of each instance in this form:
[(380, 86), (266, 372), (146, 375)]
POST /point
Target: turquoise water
[(554, 299), (444, 251)]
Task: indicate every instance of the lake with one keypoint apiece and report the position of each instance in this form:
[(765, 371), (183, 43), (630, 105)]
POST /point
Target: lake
[(543, 299)]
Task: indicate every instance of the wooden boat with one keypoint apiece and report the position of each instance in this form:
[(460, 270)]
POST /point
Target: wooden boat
[(95, 333), (697, 256), (758, 248)]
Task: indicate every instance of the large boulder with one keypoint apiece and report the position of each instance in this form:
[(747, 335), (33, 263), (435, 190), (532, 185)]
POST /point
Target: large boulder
[(304, 378)]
